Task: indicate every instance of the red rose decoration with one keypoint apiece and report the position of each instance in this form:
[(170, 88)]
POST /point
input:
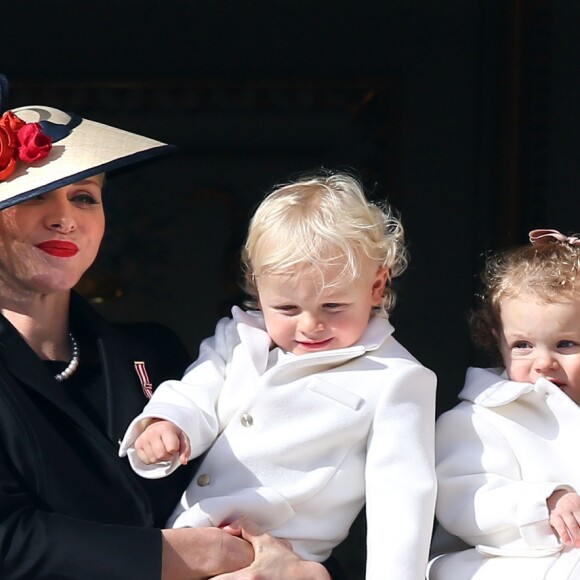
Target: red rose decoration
[(33, 143), (11, 124), (7, 154), (20, 141)]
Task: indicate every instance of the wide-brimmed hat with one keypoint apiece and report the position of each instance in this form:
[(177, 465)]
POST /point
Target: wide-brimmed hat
[(42, 148)]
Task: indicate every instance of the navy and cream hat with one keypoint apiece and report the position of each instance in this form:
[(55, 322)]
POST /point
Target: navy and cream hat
[(78, 148)]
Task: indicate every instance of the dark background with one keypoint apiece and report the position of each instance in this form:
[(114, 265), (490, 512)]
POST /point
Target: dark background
[(463, 113)]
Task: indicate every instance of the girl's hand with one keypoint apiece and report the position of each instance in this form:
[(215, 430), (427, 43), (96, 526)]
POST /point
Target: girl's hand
[(160, 441), (273, 558), (564, 508)]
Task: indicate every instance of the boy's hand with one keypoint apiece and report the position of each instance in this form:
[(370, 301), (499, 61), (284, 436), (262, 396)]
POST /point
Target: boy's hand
[(160, 441), (564, 507)]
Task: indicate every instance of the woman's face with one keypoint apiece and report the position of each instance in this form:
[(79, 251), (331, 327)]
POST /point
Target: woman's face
[(48, 242)]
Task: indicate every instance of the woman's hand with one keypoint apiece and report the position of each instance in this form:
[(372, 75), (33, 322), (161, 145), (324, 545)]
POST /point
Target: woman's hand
[(200, 553), (273, 558), (564, 507)]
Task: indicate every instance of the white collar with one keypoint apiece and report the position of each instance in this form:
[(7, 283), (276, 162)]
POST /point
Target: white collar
[(252, 332), (491, 387)]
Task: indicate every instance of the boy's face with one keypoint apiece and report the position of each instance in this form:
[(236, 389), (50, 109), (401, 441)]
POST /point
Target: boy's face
[(542, 340), (303, 316)]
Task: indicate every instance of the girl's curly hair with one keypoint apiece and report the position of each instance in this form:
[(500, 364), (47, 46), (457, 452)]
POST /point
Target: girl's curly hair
[(547, 273)]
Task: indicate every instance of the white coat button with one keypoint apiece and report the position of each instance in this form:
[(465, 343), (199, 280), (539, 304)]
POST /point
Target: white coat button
[(203, 480), (247, 420)]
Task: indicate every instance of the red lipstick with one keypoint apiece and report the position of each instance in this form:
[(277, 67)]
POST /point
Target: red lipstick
[(59, 248)]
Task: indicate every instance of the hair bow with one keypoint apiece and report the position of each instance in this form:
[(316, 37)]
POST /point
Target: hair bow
[(540, 237)]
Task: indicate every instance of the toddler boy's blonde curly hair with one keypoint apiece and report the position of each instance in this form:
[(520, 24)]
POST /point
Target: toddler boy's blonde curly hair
[(322, 221)]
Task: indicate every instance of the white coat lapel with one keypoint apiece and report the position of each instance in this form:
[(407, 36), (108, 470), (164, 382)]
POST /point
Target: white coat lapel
[(253, 336)]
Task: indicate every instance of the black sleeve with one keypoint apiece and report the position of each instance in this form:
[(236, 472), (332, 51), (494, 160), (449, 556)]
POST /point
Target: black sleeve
[(335, 569), (35, 543)]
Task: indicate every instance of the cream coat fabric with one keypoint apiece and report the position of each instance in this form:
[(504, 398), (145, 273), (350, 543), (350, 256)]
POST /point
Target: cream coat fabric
[(305, 441), (500, 454)]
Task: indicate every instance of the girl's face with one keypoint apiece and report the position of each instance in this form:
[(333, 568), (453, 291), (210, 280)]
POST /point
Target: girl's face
[(303, 316), (48, 242), (542, 340)]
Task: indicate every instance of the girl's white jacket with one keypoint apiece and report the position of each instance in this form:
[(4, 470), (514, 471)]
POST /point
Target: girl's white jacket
[(500, 454), (299, 444)]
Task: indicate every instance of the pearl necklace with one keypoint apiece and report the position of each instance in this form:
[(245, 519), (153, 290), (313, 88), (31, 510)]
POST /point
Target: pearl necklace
[(74, 361)]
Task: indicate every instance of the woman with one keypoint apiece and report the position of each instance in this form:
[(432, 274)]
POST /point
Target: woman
[(70, 382)]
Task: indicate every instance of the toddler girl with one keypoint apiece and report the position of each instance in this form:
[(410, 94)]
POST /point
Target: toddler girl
[(506, 455)]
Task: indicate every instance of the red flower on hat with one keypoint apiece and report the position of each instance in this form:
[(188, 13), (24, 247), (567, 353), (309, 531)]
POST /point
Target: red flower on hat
[(20, 141), (11, 123), (33, 143)]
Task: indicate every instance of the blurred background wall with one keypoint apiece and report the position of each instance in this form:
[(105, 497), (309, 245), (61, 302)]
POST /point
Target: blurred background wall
[(462, 113)]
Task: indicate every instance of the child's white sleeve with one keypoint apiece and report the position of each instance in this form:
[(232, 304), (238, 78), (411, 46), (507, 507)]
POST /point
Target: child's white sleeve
[(189, 403), (400, 477), (483, 498)]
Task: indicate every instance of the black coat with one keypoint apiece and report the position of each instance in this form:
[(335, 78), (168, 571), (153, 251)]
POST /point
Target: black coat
[(70, 508)]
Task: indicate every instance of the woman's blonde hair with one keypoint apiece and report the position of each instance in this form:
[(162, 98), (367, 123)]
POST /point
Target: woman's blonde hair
[(547, 273), (321, 221)]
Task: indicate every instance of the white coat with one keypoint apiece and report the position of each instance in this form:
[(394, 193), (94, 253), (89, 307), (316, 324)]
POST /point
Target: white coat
[(500, 454), (300, 442)]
